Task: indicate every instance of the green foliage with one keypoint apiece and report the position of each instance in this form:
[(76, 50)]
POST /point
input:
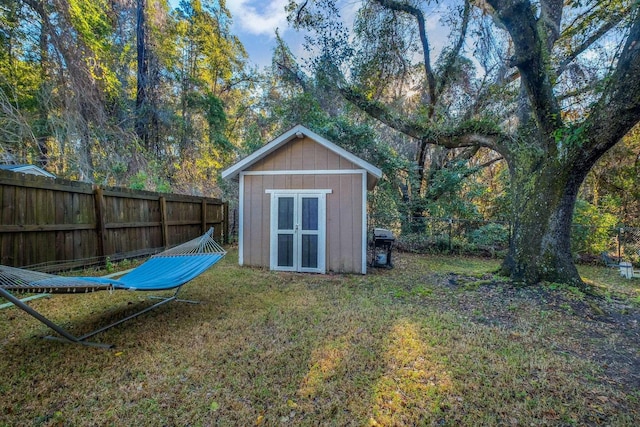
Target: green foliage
[(163, 186), (151, 182), (591, 233), (252, 140), (108, 265), (447, 194), (569, 138), (612, 185), (380, 64), (425, 243), (456, 242), (383, 207), (327, 31), (90, 19), (492, 234), (138, 181)]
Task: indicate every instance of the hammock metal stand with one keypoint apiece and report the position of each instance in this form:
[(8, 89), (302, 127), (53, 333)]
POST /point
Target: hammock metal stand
[(31, 298), (200, 253), (65, 335)]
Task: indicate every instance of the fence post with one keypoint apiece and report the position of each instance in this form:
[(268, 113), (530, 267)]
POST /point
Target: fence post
[(620, 231), (163, 221), (98, 197), (203, 215), (226, 222)]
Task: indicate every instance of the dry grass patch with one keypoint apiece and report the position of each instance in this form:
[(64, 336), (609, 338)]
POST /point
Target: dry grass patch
[(436, 341), (414, 383)]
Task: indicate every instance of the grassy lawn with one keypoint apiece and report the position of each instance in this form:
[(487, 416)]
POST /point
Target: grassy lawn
[(435, 341)]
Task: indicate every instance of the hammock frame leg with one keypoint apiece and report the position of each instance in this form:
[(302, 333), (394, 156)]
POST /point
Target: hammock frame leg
[(51, 324), (66, 336), (163, 300), (37, 296)]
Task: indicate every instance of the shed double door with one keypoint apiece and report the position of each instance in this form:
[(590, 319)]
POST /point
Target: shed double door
[(298, 222)]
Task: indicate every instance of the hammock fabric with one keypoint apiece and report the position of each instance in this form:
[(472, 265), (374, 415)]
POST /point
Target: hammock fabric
[(167, 270)]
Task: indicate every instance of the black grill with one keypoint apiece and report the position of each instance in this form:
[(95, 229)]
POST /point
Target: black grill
[(383, 240)]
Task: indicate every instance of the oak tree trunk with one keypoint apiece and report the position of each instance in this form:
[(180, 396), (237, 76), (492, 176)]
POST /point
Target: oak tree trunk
[(543, 202)]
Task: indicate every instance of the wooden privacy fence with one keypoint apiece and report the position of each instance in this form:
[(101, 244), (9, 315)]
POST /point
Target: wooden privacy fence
[(54, 223)]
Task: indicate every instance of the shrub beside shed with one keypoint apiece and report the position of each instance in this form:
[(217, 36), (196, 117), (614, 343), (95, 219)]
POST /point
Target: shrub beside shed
[(303, 205)]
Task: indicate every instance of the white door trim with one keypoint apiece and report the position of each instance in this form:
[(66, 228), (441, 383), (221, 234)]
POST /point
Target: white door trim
[(321, 233)]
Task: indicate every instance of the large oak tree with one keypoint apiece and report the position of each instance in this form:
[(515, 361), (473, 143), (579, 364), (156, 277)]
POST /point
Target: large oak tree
[(545, 100)]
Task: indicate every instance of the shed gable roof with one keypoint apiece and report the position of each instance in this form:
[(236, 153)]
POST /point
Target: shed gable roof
[(28, 169), (299, 131)]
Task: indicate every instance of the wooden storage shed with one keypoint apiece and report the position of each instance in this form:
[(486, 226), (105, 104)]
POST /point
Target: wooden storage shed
[(303, 205)]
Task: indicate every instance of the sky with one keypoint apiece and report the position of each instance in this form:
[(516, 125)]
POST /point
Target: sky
[(255, 23)]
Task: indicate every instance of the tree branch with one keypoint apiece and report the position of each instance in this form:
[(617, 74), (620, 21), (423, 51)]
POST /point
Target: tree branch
[(618, 109), (292, 75), (550, 18), (381, 112), (455, 52), (490, 162), (422, 29), (604, 28), (519, 19), (470, 139), (468, 134)]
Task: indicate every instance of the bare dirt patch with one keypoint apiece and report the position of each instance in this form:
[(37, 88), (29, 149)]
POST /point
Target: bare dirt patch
[(605, 330)]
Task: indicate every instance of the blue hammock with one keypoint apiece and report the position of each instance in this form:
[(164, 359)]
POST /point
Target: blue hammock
[(157, 274), (167, 270)]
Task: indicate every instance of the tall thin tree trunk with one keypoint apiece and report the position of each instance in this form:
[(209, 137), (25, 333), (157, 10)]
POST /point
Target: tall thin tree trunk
[(42, 132), (142, 101)]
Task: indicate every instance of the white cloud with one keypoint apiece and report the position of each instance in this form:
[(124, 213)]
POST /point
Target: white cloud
[(259, 17)]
